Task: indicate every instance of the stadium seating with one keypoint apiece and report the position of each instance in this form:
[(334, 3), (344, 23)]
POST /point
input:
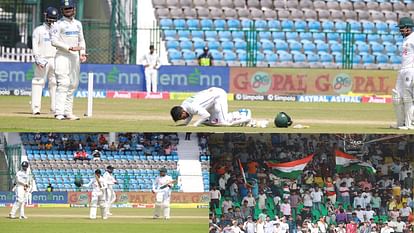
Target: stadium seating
[(306, 22)]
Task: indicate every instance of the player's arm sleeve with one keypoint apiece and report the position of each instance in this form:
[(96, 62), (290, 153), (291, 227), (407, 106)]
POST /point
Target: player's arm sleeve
[(204, 115), (20, 180), (35, 45), (154, 185), (55, 38), (82, 42)]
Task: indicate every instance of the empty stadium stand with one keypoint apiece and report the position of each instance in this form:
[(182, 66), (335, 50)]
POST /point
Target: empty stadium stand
[(309, 33)]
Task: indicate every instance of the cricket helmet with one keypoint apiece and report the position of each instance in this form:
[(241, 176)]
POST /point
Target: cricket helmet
[(25, 164), (163, 169), (68, 4), (406, 22), (51, 14), (283, 120)]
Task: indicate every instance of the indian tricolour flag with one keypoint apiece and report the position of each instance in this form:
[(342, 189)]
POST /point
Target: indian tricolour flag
[(291, 170), (346, 162)]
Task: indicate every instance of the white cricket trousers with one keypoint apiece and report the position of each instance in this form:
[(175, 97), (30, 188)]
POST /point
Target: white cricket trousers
[(98, 199), (220, 110), (151, 78), (21, 196), (162, 202), (406, 80), (67, 69), (38, 83)]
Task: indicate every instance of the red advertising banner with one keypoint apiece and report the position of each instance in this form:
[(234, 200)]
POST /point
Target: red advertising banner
[(311, 81), (82, 198), (137, 95)]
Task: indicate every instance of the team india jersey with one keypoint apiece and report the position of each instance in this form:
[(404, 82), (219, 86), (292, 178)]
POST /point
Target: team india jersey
[(407, 53), (42, 46), (22, 178), (66, 33), (152, 60), (109, 179)]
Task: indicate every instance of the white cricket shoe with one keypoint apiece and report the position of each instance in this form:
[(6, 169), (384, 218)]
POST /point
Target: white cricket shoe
[(60, 117), (72, 117), (23, 217), (12, 216), (36, 113), (155, 217), (110, 214), (406, 127)]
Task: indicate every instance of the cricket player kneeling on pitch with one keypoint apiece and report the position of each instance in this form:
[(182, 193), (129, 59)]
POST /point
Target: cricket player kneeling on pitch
[(21, 189), (162, 190), (212, 107), (98, 195)]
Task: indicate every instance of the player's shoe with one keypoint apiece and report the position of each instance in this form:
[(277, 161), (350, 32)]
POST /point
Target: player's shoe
[(12, 216), (109, 214), (72, 117), (36, 113), (104, 218), (406, 127), (60, 117), (155, 217), (23, 217)]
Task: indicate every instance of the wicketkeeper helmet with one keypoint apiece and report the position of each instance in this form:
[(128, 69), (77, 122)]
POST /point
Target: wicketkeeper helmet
[(176, 113), (283, 120)]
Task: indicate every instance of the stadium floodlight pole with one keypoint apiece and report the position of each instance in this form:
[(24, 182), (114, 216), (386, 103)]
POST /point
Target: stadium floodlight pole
[(90, 94)]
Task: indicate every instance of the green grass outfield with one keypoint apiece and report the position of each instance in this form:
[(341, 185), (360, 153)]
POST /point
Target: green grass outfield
[(120, 115), (76, 220)]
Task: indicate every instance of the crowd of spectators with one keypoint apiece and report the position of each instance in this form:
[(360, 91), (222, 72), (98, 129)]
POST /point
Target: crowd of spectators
[(321, 199)]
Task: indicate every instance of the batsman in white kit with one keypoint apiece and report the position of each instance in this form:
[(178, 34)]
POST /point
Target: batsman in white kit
[(44, 55), (67, 37), (151, 63), (110, 193), (212, 107), (403, 93), (162, 189), (21, 189), (98, 198)]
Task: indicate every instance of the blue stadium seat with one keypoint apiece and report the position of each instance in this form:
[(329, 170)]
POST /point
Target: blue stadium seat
[(360, 37), (391, 49), (295, 46), (305, 36), (227, 45), (179, 24), (218, 56), (381, 27), (173, 56), (368, 59), (381, 59), (270, 58), (376, 48), (281, 45), (230, 56), (183, 35), (267, 46), (166, 24), (398, 39), (314, 26), (299, 57), (291, 36), (274, 25), (312, 57), (261, 24), (224, 35), (213, 45), (197, 35), (285, 57), (327, 26), (287, 25), (170, 34), (242, 56), (318, 37), (211, 36), (355, 26), (356, 59), (326, 58), (186, 45), (363, 48), (206, 24), (335, 47), (373, 37), (220, 24), (172, 44), (333, 36), (240, 46), (322, 47), (340, 26), (265, 35), (193, 24), (278, 36), (237, 36), (300, 25), (233, 24), (260, 57), (338, 58), (309, 47), (246, 24), (368, 27), (395, 59), (387, 38)]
